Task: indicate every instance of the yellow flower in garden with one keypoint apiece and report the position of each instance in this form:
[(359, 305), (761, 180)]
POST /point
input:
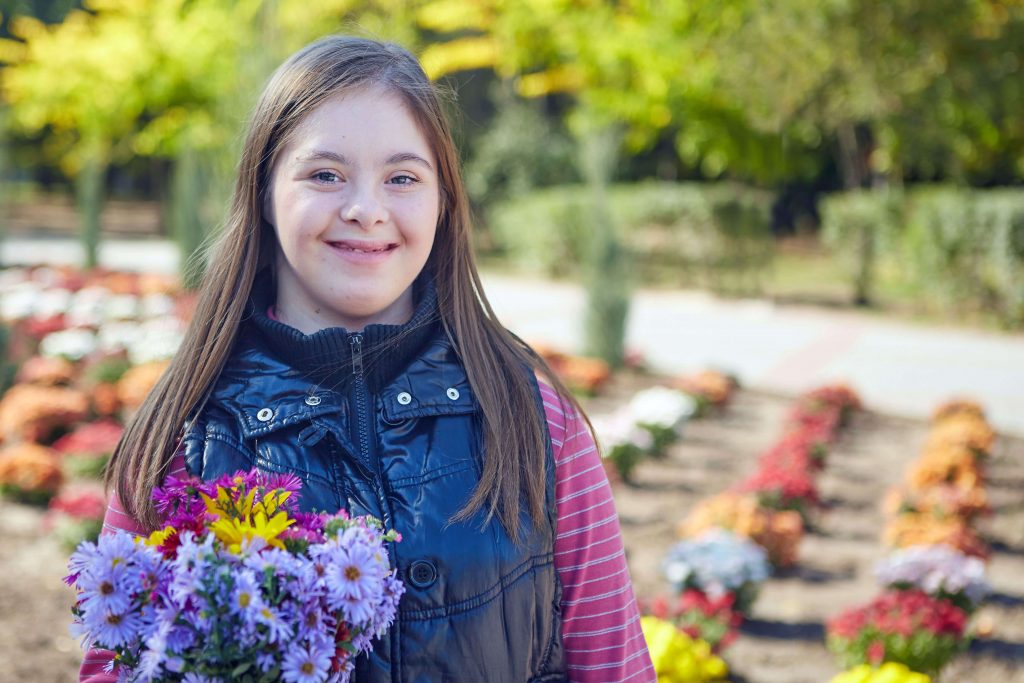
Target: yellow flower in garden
[(890, 672), (233, 533), (678, 658)]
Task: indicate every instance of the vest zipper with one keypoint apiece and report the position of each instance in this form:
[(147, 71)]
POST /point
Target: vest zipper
[(361, 401)]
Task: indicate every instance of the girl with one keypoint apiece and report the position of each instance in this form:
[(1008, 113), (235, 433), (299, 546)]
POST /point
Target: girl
[(342, 335)]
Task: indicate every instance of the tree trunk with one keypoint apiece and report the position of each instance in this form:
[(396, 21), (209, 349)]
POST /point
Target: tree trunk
[(606, 265), (186, 198), (89, 185)]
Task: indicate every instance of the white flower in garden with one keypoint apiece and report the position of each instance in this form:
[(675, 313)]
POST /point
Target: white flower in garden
[(620, 429), (11, 278), (716, 562), (117, 336), (121, 307), (71, 344), (20, 301), (156, 306), (87, 307), (51, 302), (662, 407), (935, 569), (157, 339)]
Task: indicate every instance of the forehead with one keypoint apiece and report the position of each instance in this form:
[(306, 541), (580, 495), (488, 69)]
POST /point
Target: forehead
[(368, 119)]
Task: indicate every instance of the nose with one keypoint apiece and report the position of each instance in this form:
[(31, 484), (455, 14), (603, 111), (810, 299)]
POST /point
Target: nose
[(365, 207)]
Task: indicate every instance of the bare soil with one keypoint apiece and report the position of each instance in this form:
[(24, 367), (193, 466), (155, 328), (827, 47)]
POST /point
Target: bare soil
[(783, 642)]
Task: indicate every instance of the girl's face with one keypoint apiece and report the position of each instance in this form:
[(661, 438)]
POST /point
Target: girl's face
[(354, 201)]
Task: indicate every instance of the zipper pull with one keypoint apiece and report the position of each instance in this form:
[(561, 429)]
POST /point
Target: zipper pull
[(356, 341)]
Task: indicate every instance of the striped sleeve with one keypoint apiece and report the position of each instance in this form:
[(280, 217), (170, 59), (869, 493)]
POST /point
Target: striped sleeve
[(600, 619), (96, 663)]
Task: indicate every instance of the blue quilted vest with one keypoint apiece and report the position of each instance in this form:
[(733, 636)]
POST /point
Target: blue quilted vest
[(383, 422)]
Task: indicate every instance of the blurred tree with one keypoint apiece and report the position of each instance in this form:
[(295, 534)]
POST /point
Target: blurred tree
[(171, 79)]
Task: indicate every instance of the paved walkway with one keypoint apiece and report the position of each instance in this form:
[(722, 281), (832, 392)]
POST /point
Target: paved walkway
[(897, 368)]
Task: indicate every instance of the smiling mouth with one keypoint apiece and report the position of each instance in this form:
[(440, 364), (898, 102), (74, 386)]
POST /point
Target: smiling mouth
[(363, 248)]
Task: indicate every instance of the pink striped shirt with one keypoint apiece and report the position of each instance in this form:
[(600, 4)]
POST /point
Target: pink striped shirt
[(600, 620)]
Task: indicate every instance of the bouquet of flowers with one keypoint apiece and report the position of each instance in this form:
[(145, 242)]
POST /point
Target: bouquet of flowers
[(716, 563), (938, 570), (713, 620), (237, 585), (890, 672), (677, 658), (909, 627)]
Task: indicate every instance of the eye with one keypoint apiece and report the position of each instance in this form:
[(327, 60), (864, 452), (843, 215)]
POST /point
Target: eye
[(326, 177), (403, 179)]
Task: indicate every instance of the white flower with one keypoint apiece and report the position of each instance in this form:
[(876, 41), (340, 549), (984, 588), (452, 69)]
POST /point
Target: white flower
[(20, 301), (157, 339), (935, 569), (156, 306), (87, 306), (117, 336), (121, 307), (620, 429), (72, 344), (662, 407)]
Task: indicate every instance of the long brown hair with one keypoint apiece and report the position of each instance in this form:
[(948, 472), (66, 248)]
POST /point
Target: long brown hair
[(496, 362)]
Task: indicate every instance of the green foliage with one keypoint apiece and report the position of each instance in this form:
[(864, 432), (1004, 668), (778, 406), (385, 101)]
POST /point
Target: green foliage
[(967, 246), (520, 151), (859, 225), (961, 249), (672, 231)]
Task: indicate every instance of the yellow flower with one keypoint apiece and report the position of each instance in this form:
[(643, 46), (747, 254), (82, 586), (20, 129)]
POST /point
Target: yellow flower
[(678, 658), (160, 535), (234, 532), (890, 672)]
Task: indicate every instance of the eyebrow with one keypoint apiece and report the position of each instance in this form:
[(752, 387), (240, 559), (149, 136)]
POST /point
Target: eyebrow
[(319, 154)]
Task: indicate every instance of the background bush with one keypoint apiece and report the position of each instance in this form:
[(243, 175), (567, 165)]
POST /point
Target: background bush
[(714, 235)]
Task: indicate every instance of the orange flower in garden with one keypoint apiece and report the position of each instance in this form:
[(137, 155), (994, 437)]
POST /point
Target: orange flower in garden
[(46, 371), (105, 400), (945, 464), (579, 373), (30, 471), (924, 529), (958, 407), (778, 532), (713, 386), (962, 430), (30, 412), (939, 500), (136, 384), (155, 283)]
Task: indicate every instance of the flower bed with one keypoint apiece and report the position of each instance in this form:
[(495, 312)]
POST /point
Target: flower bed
[(935, 577)]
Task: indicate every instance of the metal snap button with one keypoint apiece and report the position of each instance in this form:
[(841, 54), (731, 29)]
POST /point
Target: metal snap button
[(312, 400), (405, 398), (422, 574), (453, 393), (265, 414)]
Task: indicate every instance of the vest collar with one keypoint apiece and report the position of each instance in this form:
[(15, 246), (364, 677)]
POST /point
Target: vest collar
[(326, 357)]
